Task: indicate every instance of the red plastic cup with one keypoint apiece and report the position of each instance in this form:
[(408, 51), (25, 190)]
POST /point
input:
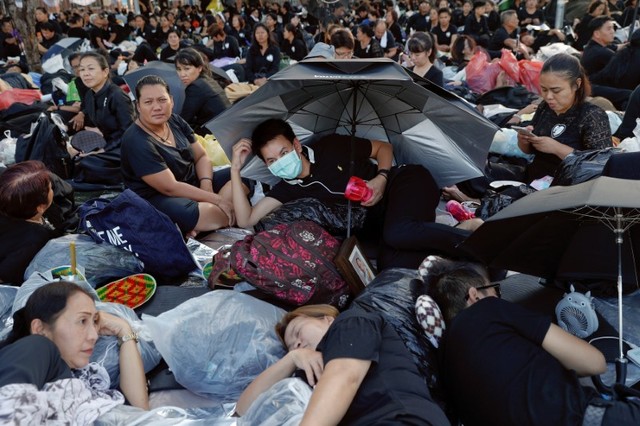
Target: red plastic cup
[(357, 190), (458, 211)]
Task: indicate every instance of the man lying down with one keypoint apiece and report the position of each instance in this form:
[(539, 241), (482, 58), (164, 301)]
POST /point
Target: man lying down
[(404, 198)]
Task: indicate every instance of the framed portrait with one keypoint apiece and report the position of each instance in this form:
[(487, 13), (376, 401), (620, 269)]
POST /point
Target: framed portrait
[(354, 265)]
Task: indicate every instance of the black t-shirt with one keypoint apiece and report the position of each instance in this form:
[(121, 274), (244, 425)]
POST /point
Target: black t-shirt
[(499, 37), (227, 48), (476, 28), (47, 43), (143, 155), (20, 241), (594, 58), (581, 127), (259, 65), (444, 37), (392, 392), (78, 32), (496, 372), (98, 32), (110, 109), (168, 54), (204, 99), (330, 169)]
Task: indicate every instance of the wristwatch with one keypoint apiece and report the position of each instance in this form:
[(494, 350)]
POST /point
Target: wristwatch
[(124, 339)]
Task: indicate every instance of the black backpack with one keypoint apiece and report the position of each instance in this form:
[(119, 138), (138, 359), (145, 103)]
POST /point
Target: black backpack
[(48, 144)]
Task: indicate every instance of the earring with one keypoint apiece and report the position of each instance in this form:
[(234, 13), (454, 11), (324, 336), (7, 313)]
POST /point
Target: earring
[(477, 298)]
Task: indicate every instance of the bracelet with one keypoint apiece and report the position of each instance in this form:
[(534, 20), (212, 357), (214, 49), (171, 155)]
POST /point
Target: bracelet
[(206, 178), (518, 116), (384, 173), (124, 339)]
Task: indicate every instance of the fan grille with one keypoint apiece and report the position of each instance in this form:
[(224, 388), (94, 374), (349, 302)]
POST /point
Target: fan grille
[(575, 320)]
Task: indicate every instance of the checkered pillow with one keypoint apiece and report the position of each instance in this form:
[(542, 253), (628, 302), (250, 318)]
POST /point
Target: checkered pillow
[(430, 318)]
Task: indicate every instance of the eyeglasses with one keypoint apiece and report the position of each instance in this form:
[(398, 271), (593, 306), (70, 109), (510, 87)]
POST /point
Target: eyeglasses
[(495, 286)]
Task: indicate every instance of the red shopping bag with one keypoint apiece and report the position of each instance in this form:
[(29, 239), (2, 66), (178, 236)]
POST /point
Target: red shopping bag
[(482, 74), (509, 64), (530, 75), (23, 96)]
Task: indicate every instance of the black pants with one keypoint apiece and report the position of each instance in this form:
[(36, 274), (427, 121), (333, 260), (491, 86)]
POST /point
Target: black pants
[(33, 359), (409, 231)]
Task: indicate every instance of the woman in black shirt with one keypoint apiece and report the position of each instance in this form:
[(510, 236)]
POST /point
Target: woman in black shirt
[(204, 98), (163, 163), (423, 54), (563, 122), (105, 104), (292, 44), (263, 58)]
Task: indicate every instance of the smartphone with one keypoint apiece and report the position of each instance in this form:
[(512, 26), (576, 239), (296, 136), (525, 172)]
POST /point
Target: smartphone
[(522, 130)]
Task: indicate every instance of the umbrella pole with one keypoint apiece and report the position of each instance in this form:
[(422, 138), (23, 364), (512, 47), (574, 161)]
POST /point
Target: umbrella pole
[(351, 159), (621, 361)]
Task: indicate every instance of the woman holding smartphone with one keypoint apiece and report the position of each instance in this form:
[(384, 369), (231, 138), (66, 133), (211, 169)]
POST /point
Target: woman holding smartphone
[(564, 121)]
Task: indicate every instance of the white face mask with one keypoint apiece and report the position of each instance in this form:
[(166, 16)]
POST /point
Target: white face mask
[(289, 166)]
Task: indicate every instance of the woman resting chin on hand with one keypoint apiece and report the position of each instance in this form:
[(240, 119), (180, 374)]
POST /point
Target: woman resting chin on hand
[(163, 163), (56, 332)]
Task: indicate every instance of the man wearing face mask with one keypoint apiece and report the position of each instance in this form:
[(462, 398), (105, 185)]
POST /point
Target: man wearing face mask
[(402, 205)]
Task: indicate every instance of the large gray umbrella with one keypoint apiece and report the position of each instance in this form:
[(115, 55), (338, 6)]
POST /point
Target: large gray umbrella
[(584, 231), (373, 99)]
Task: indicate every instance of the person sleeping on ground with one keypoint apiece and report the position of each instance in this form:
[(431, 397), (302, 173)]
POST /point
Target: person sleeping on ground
[(401, 211), (362, 372), (525, 367)]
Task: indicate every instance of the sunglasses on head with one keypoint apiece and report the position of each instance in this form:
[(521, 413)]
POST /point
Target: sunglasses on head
[(496, 286)]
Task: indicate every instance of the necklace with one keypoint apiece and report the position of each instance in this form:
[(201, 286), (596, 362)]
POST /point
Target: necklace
[(165, 140)]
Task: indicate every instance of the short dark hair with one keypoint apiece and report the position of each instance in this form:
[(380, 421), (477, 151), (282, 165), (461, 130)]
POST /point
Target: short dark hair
[(46, 303), (569, 67), (23, 188), (479, 3), (48, 26), (366, 29), (449, 283), (150, 80), (267, 131), (444, 10), (101, 59), (343, 38), (597, 23)]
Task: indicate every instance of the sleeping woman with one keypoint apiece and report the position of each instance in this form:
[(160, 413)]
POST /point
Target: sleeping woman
[(361, 371)]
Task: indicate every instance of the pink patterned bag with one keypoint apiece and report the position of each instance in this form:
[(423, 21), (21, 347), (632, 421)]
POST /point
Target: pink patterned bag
[(292, 261)]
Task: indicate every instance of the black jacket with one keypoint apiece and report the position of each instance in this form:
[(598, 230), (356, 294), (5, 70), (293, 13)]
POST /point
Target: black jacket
[(204, 99), (111, 111)]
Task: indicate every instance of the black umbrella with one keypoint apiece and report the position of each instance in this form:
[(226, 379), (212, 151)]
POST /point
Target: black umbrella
[(373, 99), (585, 231), (164, 70)]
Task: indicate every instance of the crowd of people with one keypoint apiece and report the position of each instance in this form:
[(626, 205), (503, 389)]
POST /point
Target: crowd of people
[(359, 365)]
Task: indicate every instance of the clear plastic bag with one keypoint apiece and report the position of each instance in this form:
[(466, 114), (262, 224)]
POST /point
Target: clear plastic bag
[(283, 404), (216, 344), (7, 296), (103, 262), (8, 149), (107, 353)]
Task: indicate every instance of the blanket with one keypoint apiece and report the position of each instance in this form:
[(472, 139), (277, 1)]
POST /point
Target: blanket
[(76, 401)]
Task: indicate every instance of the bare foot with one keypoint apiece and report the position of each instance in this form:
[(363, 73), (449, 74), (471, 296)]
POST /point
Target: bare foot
[(453, 193)]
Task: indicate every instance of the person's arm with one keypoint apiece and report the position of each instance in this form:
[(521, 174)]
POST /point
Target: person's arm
[(306, 359), (246, 215), (249, 65), (204, 171), (335, 391), (42, 49), (132, 379), (573, 353), (382, 152), (234, 47)]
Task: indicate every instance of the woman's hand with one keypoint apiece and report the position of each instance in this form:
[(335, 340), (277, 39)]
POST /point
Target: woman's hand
[(111, 325), (77, 122), (310, 361), (550, 146), (240, 152), (260, 81), (524, 142), (377, 184)]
